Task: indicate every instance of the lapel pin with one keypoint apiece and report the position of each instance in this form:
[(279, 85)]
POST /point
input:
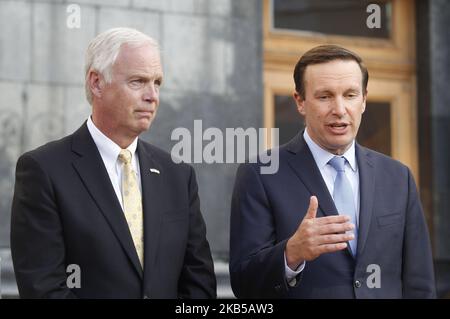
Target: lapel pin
[(154, 170)]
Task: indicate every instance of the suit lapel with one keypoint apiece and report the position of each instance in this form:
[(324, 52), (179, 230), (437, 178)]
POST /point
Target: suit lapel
[(93, 173), (366, 191), (152, 190), (303, 164), (305, 167)]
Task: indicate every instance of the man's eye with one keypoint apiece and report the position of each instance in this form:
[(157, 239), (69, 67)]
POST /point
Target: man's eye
[(323, 97), (137, 83)]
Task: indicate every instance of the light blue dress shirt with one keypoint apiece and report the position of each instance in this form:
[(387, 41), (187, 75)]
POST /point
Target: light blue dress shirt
[(322, 157)]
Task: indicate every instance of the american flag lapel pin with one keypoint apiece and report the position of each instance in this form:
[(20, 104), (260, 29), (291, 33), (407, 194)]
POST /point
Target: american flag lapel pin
[(154, 170)]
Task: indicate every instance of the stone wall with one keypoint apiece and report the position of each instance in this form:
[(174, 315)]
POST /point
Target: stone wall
[(212, 60)]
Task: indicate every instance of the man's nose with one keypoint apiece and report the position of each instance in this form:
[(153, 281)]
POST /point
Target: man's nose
[(151, 93), (339, 108)]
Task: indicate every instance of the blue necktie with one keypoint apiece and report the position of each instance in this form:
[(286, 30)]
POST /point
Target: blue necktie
[(343, 196)]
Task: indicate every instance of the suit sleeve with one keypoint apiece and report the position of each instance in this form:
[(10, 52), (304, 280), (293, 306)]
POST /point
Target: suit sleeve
[(197, 278), (418, 274), (37, 243), (257, 267)]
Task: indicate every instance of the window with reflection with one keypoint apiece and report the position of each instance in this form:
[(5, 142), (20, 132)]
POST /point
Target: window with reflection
[(335, 17), (287, 119), (375, 129)]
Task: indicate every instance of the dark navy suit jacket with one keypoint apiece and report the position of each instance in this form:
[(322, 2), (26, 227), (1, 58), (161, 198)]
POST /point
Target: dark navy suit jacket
[(267, 210), (65, 211)]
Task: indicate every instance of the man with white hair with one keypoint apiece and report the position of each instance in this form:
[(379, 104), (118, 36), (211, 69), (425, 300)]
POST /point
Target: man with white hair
[(101, 213)]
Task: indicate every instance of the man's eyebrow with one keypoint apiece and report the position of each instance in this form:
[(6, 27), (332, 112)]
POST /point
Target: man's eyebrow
[(353, 89), (146, 76), (322, 91), (138, 75)]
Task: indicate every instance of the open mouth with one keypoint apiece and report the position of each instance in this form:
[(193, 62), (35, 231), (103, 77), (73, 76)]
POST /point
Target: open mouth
[(338, 127)]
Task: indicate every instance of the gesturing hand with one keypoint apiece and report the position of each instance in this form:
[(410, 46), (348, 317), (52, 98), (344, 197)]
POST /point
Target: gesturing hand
[(316, 236)]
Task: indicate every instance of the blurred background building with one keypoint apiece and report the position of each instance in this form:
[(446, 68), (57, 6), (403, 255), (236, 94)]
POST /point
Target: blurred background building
[(230, 63)]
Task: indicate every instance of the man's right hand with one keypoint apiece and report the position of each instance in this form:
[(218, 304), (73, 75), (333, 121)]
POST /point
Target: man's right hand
[(316, 236)]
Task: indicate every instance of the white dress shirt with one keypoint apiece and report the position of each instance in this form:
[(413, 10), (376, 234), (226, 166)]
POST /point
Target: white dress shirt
[(109, 151), (322, 157)]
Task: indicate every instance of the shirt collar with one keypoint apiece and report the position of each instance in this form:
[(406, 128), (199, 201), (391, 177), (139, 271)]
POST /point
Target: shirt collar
[(322, 157), (107, 148)]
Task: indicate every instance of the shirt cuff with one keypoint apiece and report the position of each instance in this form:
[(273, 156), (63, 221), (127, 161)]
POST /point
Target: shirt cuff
[(291, 275)]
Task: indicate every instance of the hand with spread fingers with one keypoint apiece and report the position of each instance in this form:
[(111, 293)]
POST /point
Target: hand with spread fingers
[(317, 235)]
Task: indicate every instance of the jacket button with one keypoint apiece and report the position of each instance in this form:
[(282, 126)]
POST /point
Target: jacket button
[(357, 284), (277, 288)]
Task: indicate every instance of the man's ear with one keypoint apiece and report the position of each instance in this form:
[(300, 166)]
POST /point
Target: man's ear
[(300, 103), (95, 85)]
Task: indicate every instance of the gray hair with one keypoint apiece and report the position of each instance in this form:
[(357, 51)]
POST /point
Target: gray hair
[(103, 50)]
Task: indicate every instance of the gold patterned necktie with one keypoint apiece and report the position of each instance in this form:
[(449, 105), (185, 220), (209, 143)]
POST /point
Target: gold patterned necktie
[(132, 203)]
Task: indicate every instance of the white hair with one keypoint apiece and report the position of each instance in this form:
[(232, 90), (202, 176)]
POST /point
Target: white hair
[(103, 50)]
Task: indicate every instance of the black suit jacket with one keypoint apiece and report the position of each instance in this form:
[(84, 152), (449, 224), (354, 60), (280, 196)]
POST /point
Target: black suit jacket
[(65, 211), (267, 210)]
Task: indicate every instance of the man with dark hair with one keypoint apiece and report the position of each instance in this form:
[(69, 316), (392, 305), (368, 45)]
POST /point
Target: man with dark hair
[(323, 54), (337, 220)]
